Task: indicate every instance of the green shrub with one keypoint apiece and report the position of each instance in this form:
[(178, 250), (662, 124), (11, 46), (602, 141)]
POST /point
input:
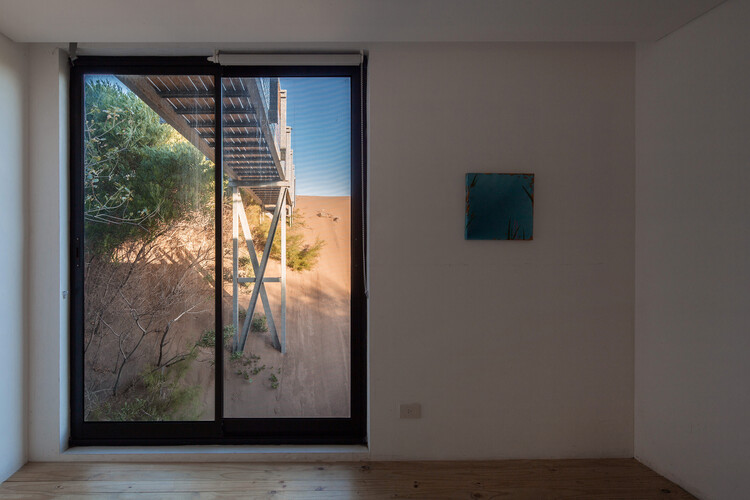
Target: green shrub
[(139, 173), (247, 366), (208, 337), (300, 256), (157, 394), (259, 323)]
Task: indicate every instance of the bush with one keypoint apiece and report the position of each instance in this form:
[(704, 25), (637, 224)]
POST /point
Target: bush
[(246, 366), (300, 256), (208, 337), (245, 269), (259, 323), (139, 173), (157, 394)]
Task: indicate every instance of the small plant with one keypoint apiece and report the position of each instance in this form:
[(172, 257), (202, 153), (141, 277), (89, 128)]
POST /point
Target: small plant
[(247, 367), (244, 374), (208, 337), (156, 394), (228, 332), (300, 256), (274, 381), (259, 323), (245, 269)]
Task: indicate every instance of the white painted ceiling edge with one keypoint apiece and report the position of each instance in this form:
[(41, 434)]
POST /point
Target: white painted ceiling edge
[(345, 21)]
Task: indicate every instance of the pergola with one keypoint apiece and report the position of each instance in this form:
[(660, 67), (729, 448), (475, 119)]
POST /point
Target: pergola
[(256, 157)]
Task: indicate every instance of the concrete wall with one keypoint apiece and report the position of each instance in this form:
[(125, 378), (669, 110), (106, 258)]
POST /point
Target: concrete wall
[(514, 349), (13, 159), (692, 397)]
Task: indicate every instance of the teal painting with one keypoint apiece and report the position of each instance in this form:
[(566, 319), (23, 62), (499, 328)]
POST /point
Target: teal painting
[(499, 207)]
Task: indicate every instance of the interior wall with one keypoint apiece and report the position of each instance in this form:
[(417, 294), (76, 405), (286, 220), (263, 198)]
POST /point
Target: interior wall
[(13, 128), (514, 349), (48, 252), (692, 397)]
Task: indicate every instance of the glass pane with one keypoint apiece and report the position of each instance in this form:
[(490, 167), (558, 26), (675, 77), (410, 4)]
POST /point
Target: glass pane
[(287, 174), (149, 248)]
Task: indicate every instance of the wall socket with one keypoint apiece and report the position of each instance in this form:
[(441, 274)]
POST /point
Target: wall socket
[(412, 410)]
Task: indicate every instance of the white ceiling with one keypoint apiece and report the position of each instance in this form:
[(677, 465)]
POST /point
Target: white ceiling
[(321, 21)]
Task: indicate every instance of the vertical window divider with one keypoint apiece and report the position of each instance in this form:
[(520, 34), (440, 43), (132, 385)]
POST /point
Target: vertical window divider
[(219, 251)]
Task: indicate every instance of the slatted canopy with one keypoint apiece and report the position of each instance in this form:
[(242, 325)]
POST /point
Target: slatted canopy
[(253, 130)]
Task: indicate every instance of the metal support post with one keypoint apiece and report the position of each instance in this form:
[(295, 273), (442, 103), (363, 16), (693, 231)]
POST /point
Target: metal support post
[(236, 206), (261, 271), (283, 276), (258, 282)]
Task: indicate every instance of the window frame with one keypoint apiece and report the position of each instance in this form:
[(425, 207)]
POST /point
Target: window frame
[(222, 430)]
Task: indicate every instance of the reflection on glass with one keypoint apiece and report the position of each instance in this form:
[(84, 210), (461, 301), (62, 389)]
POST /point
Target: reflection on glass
[(149, 248), (286, 260)]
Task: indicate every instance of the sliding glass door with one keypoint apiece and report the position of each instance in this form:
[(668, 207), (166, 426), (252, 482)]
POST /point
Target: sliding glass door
[(217, 253), (148, 254), (288, 213)]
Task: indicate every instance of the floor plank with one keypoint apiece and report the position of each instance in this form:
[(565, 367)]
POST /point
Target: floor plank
[(522, 479)]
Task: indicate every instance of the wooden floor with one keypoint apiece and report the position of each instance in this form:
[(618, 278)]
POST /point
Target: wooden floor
[(524, 479)]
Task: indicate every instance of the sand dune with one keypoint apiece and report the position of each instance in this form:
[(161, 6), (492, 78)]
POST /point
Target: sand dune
[(313, 375), (312, 379)]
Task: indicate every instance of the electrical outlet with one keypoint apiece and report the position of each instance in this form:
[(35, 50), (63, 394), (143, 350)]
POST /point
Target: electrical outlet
[(413, 410)]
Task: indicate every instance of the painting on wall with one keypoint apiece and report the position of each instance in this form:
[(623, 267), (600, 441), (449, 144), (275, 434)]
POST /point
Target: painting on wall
[(499, 207)]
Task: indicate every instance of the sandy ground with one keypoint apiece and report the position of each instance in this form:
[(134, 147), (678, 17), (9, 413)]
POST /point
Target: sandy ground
[(313, 375)]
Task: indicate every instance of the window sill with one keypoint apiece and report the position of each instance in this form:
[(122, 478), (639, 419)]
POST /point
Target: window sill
[(248, 452)]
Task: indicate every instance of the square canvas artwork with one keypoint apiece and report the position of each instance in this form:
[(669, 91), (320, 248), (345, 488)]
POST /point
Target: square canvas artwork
[(499, 207)]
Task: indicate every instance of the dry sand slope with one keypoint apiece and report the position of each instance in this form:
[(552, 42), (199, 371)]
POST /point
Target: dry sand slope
[(314, 376)]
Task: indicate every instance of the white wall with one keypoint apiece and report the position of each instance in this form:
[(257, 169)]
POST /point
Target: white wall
[(13, 128), (692, 406), (48, 252), (514, 349)]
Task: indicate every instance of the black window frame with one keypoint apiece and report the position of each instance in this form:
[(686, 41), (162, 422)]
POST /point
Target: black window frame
[(222, 430)]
